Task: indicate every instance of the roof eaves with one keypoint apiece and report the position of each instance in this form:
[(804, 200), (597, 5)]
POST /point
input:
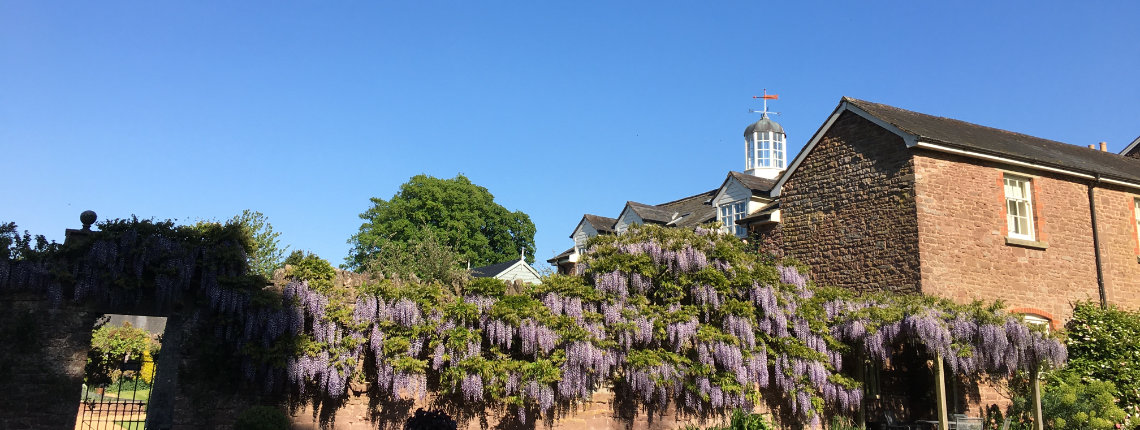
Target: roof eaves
[(1134, 146), (972, 152)]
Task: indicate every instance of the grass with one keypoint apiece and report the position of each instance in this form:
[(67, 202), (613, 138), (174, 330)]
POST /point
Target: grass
[(141, 395), (131, 425)]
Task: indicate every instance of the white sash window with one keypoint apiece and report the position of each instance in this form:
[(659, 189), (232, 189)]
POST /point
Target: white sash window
[(1019, 207)]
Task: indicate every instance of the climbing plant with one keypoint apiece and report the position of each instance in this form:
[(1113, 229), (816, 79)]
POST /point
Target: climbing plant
[(665, 317)]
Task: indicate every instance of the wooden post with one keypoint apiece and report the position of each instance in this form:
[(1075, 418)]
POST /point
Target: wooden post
[(861, 374), (940, 392), (1035, 383)]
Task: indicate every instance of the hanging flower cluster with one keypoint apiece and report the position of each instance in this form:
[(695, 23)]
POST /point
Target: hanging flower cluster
[(667, 318)]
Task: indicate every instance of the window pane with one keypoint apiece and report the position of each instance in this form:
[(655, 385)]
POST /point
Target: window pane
[(1011, 216)]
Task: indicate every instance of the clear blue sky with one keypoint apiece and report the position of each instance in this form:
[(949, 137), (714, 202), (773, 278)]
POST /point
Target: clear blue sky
[(304, 110)]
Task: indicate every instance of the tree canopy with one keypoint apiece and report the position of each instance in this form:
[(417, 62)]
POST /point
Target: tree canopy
[(267, 253), (460, 214)]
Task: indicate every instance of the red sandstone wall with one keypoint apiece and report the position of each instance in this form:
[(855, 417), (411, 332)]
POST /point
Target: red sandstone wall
[(596, 414), (849, 209), (1119, 248), (962, 234)]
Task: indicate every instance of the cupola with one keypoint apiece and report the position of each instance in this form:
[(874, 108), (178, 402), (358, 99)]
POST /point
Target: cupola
[(765, 144)]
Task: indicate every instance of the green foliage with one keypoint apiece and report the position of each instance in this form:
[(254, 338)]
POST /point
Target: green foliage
[(267, 252), (16, 246), (742, 421), (316, 270), (424, 259), (463, 215), (1104, 344), (262, 418), (123, 341), (111, 346), (839, 423), (1070, 402)]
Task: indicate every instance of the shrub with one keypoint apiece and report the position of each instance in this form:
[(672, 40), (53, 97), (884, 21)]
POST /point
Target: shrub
[(1104, 344), (262, 418), (113, 345), (1070, 402), (742, 421)]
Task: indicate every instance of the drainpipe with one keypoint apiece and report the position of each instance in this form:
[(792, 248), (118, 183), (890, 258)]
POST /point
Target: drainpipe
[(1096, 244)]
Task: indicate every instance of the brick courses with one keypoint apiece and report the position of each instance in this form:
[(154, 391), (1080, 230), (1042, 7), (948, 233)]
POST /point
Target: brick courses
[(1118, 241), (849, 209), (962, 237)]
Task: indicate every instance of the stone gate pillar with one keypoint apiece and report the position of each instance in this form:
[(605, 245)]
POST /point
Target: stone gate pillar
[(160, 410)]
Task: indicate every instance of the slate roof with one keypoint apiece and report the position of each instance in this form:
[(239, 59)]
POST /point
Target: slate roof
[(564, 254), (758, 185), (1007, 144), (492, 270), (651, 213), (764, 124), (695, 210), (600, 223), (762, 214)]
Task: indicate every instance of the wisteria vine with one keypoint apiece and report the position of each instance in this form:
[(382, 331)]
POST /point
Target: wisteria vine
[(666, 318)]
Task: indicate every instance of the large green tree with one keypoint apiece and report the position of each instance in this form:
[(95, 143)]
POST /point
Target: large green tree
[(460, 214)]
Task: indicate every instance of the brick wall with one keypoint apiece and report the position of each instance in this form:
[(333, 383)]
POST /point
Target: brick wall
[(962, 223), (962, 238), (849, 209), (358, 413), (1118, 241), (769, 238)]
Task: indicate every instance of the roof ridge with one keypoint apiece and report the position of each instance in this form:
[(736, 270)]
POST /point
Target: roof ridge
[(985, 139), (881, 105), (714, 190)]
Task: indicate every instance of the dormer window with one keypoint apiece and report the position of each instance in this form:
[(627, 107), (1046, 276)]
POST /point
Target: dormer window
[(730, 213)]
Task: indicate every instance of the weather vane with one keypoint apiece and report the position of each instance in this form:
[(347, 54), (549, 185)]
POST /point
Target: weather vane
[(764, 113)]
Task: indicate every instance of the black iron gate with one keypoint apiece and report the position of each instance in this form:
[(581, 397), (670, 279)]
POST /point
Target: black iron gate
[(120, 405)]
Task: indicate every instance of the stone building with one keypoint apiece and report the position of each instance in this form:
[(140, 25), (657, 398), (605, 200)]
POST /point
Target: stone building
[(509, 271), (883, 198), (740, 195), (886, 199)]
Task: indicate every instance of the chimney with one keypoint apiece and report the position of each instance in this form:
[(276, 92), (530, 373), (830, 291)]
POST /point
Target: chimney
[(1091, 146), (1103, 147)]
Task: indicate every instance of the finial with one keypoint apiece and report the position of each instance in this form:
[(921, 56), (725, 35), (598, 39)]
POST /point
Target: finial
[(764, 113), (522, 253), (88, 217)]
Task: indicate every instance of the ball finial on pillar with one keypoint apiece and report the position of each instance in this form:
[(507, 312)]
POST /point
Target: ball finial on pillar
[(87, 218)]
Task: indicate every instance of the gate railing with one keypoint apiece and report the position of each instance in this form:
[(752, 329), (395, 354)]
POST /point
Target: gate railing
[(119, 405)]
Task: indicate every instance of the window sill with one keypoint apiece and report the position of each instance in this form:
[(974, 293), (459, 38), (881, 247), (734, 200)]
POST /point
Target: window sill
[(1025, 243)]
